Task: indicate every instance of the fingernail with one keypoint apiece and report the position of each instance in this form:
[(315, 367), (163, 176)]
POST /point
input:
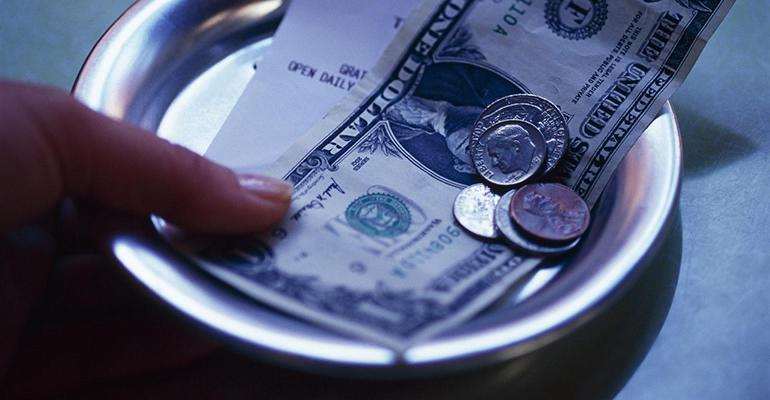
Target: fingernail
[(266, 187)]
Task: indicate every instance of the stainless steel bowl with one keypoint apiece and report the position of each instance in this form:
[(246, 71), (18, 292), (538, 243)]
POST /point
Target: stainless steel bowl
[(177, 67)]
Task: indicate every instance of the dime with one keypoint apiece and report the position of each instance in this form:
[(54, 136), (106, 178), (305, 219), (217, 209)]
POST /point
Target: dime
[(509, 153), (474, 209), (505, 225), (534, 109), (550, 212)]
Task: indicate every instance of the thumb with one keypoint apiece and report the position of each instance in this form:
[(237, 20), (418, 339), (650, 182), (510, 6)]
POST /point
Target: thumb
[(51, 146)]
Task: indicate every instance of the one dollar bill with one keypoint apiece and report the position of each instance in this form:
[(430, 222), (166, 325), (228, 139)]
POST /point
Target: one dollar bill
[(370, 247)]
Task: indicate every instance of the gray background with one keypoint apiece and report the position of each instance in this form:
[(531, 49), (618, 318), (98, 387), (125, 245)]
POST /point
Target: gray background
[(715, 343)]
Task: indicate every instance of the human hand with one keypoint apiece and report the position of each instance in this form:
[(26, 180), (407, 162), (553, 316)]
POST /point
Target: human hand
[(66, 319)]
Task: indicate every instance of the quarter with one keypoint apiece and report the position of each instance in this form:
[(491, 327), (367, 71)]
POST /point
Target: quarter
[(539, 111)]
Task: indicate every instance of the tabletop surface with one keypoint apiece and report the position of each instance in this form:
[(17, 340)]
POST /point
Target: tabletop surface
[(714, 343)]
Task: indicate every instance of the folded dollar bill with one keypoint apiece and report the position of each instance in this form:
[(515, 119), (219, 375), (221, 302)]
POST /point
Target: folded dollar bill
[(370, 247)]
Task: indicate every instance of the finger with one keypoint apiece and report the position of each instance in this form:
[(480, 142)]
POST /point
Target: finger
[(65, 356), (54, 146), (72, 230), (26, 258)]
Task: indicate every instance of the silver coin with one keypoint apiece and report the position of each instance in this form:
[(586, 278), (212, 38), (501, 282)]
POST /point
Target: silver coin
[(474, 209), (537, 110), (505, 225), (509, 153)]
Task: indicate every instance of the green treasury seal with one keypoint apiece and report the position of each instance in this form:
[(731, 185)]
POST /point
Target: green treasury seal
[(378, 214)]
